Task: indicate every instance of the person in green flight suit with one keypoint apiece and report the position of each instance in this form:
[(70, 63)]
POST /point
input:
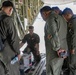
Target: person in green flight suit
[(10, 39), (57, 10), (71, 38), (55, 40)]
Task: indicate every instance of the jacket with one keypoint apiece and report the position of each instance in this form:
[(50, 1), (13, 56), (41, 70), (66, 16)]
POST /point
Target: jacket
[(56, 28), (10, 38)]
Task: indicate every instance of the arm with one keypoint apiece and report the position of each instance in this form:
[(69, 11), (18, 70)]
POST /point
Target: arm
[(52, 30), (23, 41), (22, 48), (54, 39), (12, 35), (74, 36), (21, 44), (37, 48), (37, 43)]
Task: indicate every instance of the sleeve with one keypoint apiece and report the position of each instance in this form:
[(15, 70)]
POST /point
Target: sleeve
[(52, 30), (74, 35), (24, 39), (12, 36), (37, 39)]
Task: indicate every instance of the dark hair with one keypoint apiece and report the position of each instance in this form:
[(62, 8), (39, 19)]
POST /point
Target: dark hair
[(67, 11), (31, 27), (55, 8), (7, 4), (45, 8)]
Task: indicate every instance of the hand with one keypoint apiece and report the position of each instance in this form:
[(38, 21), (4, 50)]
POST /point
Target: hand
[(19, 57), (61, 51), (72, 51)]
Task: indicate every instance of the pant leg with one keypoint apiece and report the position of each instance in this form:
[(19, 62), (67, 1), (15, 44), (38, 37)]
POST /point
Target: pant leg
[(56, 65), (13, 69), (49, 70), (53, 62), (72, 64), (72, 70), (2, 71), (54, 68), (36, 57)]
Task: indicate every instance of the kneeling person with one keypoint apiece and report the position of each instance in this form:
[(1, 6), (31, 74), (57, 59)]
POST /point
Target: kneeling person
[(32, 40)]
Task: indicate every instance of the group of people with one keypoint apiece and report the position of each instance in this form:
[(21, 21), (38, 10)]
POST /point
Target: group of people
[(11, 41), (60, 40)]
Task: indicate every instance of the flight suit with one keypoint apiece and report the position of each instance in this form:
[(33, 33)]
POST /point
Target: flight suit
[(72, 44), (11, 45), (55, 38)]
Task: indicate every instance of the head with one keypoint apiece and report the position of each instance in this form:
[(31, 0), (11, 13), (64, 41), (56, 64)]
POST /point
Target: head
[(45, 12), (7, 7), (31, 29), (57, 10), (67, 13)]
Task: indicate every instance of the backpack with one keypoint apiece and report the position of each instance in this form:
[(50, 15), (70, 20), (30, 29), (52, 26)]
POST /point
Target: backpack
[(1, 42)]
